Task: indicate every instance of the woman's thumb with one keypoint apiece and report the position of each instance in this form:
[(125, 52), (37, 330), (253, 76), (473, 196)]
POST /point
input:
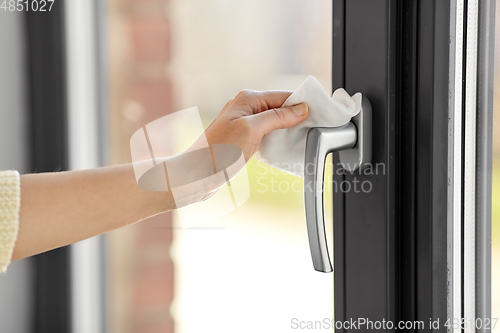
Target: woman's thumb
[(284, 117)]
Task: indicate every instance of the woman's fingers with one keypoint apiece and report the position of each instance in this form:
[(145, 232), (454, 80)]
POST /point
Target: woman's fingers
[(253, 101), (274, 98), (278, 118), (251, 115)]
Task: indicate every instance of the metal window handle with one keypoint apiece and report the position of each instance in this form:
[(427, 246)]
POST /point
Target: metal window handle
[(354, 143)]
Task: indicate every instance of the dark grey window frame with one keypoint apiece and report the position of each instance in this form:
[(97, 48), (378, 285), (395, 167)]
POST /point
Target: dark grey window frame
[(59, 306), (49, 137), (392, 245)]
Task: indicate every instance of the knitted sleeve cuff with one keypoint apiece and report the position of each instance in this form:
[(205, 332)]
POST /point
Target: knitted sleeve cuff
[(10, 201)]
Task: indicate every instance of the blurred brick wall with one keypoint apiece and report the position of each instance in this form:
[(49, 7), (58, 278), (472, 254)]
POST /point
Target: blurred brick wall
[(141, 271)]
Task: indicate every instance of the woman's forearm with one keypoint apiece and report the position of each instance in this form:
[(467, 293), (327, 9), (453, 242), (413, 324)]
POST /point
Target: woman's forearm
[(61, 208)]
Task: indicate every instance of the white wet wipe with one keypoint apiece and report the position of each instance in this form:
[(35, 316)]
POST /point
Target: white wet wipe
[(284, 149)]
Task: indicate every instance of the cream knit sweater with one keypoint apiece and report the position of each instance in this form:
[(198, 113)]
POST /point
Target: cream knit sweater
[(10, 201)]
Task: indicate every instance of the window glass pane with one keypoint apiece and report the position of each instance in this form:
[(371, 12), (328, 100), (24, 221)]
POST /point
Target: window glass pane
[(251, 269)]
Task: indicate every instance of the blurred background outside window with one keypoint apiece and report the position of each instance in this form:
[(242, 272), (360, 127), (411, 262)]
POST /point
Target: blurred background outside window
[(250, 270)]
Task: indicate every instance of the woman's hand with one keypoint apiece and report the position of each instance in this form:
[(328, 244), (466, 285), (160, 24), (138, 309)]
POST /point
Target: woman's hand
[(246, 118)]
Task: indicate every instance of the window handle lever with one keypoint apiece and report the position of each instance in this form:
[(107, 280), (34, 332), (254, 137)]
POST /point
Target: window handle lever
[(353, 141)]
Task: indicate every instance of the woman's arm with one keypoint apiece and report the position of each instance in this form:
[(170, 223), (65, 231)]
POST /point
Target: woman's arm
[(61, 208)]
